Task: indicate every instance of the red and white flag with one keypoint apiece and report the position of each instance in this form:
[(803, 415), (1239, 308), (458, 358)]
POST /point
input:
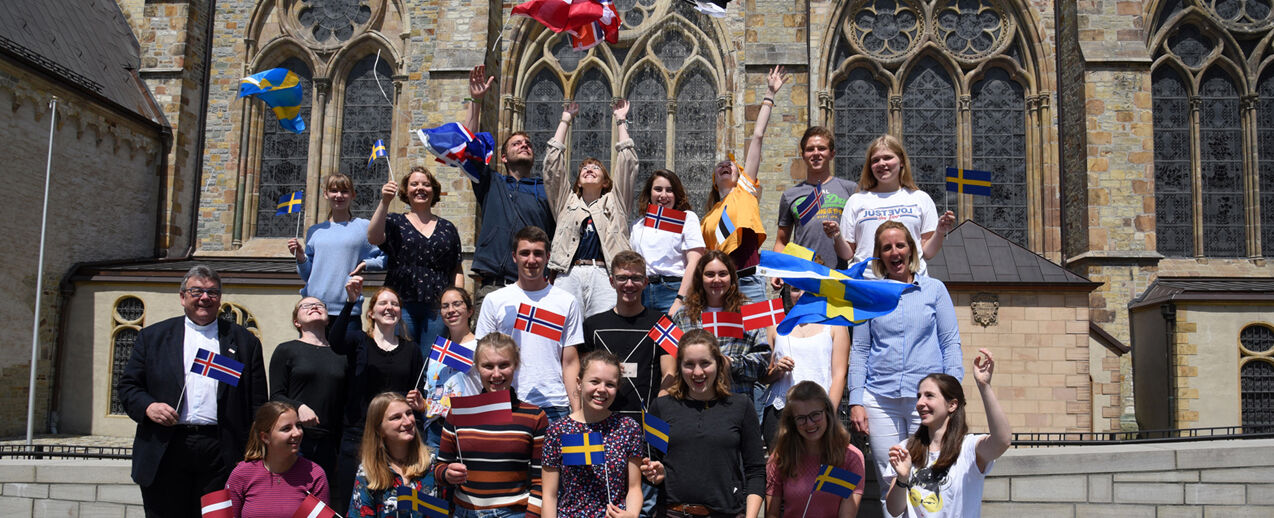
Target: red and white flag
[(662, 218), (216, 504), (762, 314), (488, 408), (723, 324), (312, 507), (540, 322), (605, 28), (666, 334)]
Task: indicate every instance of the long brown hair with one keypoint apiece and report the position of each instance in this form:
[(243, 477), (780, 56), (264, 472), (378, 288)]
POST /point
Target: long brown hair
[(698, 298), (376, 457), (867, 181), (678, 190), (401, 328), (714, 195), (339, 182), (721, 386), (266, 416), (957, 427), (789, 446), (878, 265)]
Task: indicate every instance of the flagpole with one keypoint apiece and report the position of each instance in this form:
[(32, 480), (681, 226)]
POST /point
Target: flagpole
[(299, 218), (421, 376), (177, 408), (39, 275), (807, 504), (606, 474)]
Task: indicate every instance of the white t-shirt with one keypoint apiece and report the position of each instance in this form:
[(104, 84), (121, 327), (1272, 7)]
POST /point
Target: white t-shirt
[(958, 494), (665, 252), (811, 357), (539, 378), (867, 210)]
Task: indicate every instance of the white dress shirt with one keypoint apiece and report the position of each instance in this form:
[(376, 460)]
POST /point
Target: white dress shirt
[(199, 401)]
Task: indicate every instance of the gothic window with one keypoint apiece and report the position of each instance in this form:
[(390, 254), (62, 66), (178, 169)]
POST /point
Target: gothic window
[(861, 115), (236, 314), (647, 116), (1256, 375), (696, 146), (127, 323), (929, 128), (1221, 147), (284, 161), (366, 117), (333, 21), (590, 132), (1174, 227), (543, 111), (999, 146), (1265, 166)]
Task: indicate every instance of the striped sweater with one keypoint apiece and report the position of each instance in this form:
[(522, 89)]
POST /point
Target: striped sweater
[(503, 461)]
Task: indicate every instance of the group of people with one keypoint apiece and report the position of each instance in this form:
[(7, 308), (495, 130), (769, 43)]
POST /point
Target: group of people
[(356, 410)]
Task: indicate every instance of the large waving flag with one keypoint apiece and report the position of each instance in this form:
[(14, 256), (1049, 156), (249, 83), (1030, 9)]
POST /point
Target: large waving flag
[(216, 504), (221, 368), (968, 181), (312, 507), (451, 354), (281, 90), (799, 251), (454, 145), (657, 431), (836, 481), (587, 21), (605, 29), (427, 505), (488, 408), (583, 449), (540, 322), (832, 297)]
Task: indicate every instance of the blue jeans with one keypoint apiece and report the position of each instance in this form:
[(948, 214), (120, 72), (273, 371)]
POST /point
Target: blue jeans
[(650, 496), (660, 297), (753, 287), (461, 512), (556, 412), (424, 324)]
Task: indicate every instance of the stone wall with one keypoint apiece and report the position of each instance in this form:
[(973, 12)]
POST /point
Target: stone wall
[(54, 488)]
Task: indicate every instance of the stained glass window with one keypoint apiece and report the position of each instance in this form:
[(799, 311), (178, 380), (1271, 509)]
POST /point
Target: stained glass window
[(999, 146), (860, 108), (1174, 227), (929, 128), (1221, 146), (647, 123), (590, 133), (122, 345), (284, 161), (543, 111), (696, 147), (333, 20), (366, 117), (1265, 168), (1257, 392)]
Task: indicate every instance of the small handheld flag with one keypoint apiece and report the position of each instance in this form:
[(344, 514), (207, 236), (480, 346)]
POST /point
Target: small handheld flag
[(583, 449), (289, 203), (763, 314), (666, 334), (809, 207), (723, 324), (454, 145), (221, 368), (663, 218), (488, 408), (281, 90), (968, 181), (452, 354), (657, 431), (378, 151), (836, 481), (216, 504), (540, 322), (312, 507), (725, 227), (428, 505)]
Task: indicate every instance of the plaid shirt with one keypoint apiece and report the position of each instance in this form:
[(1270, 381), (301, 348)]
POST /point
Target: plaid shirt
[(749, 356)]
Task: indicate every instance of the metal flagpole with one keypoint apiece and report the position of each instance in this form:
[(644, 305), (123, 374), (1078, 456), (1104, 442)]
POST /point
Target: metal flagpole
[(39, 274)]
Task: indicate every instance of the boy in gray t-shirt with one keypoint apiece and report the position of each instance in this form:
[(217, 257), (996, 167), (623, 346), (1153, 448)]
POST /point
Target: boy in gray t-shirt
[(818, 148)]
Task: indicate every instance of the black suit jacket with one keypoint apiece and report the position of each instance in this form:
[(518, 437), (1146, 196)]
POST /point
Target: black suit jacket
[(155, 373)]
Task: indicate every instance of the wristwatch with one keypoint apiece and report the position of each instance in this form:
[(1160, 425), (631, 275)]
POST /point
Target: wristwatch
[(681, 297), (904, 485)]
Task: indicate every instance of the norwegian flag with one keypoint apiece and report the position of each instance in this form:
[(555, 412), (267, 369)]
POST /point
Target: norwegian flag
[(451, 354), (724, 324), (488, 408), (666, 334), (221, 368), (606, 28), (661, 218), (762, 314), (312, 507), (539, 321), (216, 504)]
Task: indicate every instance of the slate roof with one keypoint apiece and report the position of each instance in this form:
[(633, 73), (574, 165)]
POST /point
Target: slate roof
[(973, 254), (85, 43), (1166, 289)]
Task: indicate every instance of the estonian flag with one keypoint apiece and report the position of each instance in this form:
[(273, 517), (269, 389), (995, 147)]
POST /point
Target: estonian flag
[(725, 227)]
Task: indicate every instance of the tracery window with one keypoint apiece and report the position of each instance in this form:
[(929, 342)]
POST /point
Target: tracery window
[(284, 162), (127, 321), (366, 117), (1256, 374)]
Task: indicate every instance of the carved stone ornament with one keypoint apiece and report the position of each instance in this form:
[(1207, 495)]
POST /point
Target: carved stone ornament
[(986, 309)]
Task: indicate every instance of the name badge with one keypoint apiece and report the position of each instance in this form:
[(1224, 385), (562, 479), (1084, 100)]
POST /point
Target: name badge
[(629, 369)]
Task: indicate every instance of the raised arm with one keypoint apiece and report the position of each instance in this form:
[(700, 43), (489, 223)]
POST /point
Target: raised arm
[(556, 179), (625, 166), (479, 84), (995, 444), (376, 227), (774, 81)]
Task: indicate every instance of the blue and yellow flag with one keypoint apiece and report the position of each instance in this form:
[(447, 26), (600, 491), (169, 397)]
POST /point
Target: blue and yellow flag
[(378, 151), (425, 504), (836, 481), (968, 181), (832, 297), (280, 88), (583, 449), (794, 249), (657, 431), (289, 203)]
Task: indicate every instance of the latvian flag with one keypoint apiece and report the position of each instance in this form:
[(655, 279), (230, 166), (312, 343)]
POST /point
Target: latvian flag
[(312, 507), (216, 504), (221, 368), (661, 218), (451, 354), (540, 322), (762, 314), (666, 334), (723, 324), (488, 408), (808, 208), (725, 227)]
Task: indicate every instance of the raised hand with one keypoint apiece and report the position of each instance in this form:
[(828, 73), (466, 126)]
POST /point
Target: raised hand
[(621, 109), (946, 221), (479, 82), (388, 191), (775, 79), (900, 459), (569, 111), (354, 288), (294, 246), (983, 367), (415, 401)]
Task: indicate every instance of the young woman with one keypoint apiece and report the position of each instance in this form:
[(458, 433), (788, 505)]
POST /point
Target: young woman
[(273, 479), (393, 457), (940, 470), (335, 249), (810, 436), (591, 214), (503, 479), (580, 491), (380, 360), (308, 375), (669, 256), (803, 356), (713, 433), (886, 185), (742, 206), (423, 252), (715, 287), (923, 329), (457, 313)]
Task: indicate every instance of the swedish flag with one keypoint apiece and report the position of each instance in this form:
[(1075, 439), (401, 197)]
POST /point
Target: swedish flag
[(289, 203), (378, 151), (424, 504), (833, 297), (836, 481), (583, 449), (968, 181), (280, 88), (657, 431)]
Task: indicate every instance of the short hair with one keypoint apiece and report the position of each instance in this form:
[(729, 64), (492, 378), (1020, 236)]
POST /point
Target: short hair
[(606, 183), (721, 386), (499, 342), (376, 457), (531, 234), (338, 182), (678, 190), (819, 131), (878, 265), (433, 182), (504, 146), (629, 260), (867, 181), (267, 415), (599, 355), (201, 271)]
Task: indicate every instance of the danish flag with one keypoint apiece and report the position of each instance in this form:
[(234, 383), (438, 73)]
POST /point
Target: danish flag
[(666, 334), (724, 324), (662, 218), (762, 314), (539, 321)]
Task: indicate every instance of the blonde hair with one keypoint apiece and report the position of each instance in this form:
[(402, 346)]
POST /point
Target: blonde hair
[(376, 457), (868, 182), (721, 386), (878, 265)]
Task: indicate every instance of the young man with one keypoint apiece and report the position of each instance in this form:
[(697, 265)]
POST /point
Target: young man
[(549, 374), (818, 148), (507, 202)]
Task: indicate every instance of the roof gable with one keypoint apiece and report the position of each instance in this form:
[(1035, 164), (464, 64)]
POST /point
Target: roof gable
[(973, 254)]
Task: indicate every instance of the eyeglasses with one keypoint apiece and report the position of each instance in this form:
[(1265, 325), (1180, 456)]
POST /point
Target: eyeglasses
[(311, 305), (195, 293), (622, 279), (594, 167), (812, 417)]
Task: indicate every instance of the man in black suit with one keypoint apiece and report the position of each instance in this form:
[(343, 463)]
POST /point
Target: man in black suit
[(191, 430)]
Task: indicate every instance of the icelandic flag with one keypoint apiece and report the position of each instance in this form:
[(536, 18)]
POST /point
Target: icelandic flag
[(221, 368), (540, 322), (725, 227), (808, 208), (657, 431), (605, 28), (666, 334), (289, 203), (487, 408), (378, 151), (583, 449), (723, 324), (312, 507), (451, 354), (216, 504), (454, 145), (836, 481), (662, 218), (281, 90), (762, 314), (427, 505), (968, 181), (713, 8)]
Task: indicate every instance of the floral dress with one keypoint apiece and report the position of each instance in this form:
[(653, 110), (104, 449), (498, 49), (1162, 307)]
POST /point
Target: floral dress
[(581, 490), (384, 503)]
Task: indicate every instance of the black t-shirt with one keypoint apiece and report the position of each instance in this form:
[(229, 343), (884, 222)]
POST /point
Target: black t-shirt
[(590, 244), (305, 374), (626, 338)]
